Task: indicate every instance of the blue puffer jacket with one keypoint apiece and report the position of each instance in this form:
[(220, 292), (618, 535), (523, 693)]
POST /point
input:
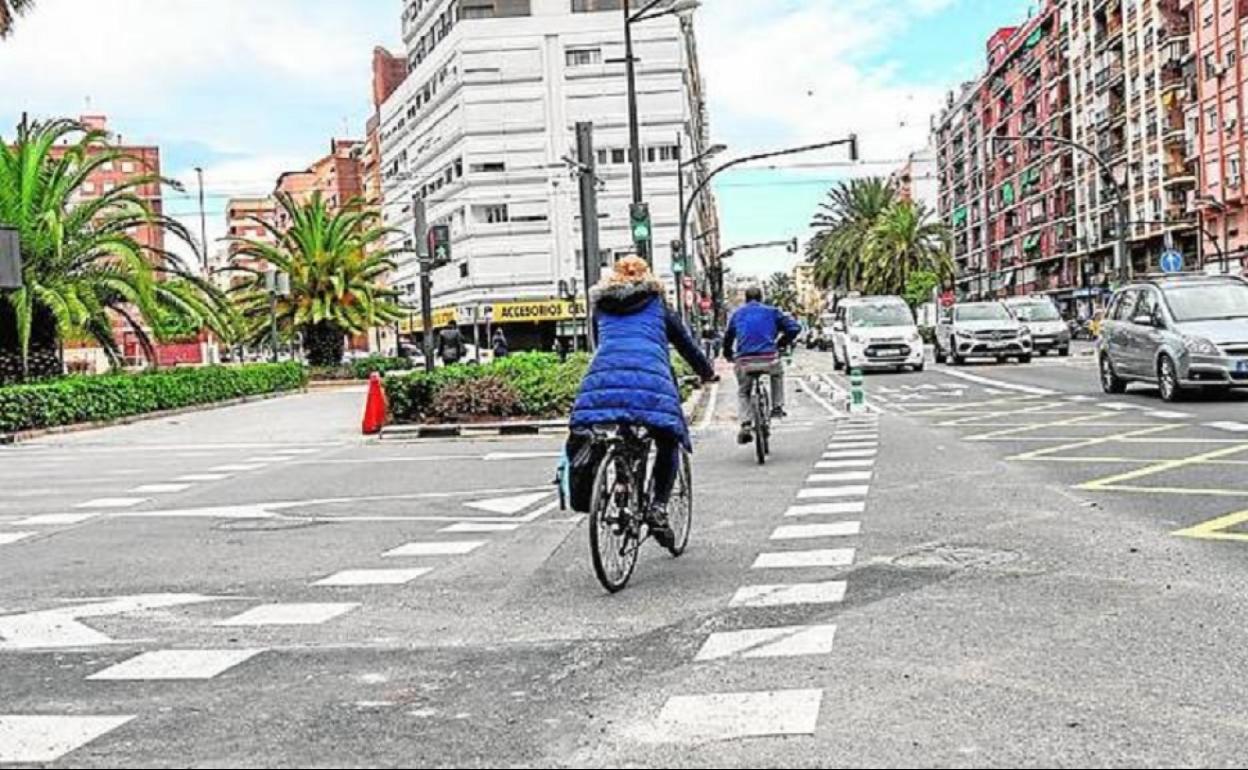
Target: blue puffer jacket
[(630, 379)]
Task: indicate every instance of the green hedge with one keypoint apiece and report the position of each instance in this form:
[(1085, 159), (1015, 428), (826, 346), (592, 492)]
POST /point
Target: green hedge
[(91, 399), (361, 369)]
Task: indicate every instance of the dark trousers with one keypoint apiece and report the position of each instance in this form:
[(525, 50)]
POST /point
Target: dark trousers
[(666, 465)]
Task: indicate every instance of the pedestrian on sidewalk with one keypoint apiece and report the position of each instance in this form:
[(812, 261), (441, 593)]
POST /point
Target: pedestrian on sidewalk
[(451, 346), (499, 343)]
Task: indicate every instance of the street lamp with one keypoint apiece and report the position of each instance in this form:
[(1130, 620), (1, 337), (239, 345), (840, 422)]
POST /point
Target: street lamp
[(682, 237), (278, 285), (647, 12), (1224, 212)]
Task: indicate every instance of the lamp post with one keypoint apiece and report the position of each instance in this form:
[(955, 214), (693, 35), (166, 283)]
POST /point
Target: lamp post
[(278, 284), (682, 236), (1224, 212)]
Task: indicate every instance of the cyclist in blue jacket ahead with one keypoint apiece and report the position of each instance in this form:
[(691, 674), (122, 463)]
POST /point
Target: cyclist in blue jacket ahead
[(755, 336)]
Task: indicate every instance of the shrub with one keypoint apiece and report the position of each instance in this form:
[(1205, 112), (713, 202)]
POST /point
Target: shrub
[(361, 369), (482, 397), (91, 399)]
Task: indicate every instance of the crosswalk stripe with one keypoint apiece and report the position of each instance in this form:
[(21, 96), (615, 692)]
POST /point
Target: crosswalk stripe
[(443, 548), (782, 642), (477, 526), (728, 716), (828, 464), (161, 488), (308, 614), (30, 739), (175, 664), (832, 478), (848, 491), (846, 454), (7, 538), (373, 577), (783, 594), (56, 519), (812, 531), (826, 509), (821, 557), (112, 502)]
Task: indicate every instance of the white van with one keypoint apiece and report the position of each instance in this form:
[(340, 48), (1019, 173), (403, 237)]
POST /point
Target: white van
[(876, 333)]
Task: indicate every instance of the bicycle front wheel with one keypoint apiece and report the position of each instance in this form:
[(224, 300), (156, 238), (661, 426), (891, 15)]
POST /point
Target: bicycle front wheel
[(612, 543), (680, 512)]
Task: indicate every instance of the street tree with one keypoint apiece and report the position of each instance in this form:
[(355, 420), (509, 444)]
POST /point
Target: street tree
[(9, 9), (904, 239), (842, 224), (782, 292)]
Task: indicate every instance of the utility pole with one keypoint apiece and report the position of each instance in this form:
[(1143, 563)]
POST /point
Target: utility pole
[(203, 219), (591, 259), (419, 227)]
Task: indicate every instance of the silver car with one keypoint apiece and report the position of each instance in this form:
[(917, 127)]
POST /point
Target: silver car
[(1180, 332), (1048, 330), (981, 329)]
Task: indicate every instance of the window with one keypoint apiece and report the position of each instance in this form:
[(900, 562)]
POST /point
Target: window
[(617, 156), (493, 167), (496, 214), (602, 157), (1211, 120), (127, 167), (589, 6), (1147, 305), (584, 57), (1211, 65), (1124, 309)]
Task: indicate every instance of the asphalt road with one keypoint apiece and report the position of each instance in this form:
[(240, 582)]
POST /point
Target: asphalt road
[(1009, 569)]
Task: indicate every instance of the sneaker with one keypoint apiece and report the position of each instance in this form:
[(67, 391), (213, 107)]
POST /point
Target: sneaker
[(660, 527), (745, 435), (778, 412)]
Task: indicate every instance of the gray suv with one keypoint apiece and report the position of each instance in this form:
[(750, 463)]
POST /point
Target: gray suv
[(1180, 332), (981, 329)]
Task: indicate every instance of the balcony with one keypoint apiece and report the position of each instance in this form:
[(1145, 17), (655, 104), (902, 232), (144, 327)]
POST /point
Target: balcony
[(1179, 175), (1109, 76)]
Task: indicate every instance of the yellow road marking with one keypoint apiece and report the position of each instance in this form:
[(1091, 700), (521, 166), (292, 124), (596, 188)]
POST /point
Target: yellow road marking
[(1097, 441), (1038, 426), (1215, 529), (1110, 482)]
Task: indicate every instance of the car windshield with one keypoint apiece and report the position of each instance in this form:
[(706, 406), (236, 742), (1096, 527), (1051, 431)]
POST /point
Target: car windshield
[(1036, 311), (880, 315), (1209, 301), (993, 312)]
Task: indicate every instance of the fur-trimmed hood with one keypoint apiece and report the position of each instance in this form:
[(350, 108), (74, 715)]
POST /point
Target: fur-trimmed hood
[(620, 298)]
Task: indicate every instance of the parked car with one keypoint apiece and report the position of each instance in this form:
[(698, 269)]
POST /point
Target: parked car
[(1181, 332), (876, 332), (1048, 331), (981, 330)]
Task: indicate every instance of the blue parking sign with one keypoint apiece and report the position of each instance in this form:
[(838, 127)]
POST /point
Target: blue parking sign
[(1172, 261)]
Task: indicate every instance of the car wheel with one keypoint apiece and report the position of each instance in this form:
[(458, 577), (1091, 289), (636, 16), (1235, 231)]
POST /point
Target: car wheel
[(1110, 382), (955, 359), (1064, 352), (918, 367), (1024, 359), (939, 353), (1168, 380)]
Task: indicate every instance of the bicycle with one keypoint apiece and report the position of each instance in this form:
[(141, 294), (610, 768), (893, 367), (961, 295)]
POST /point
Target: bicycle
[(623, 490), (760, 405)]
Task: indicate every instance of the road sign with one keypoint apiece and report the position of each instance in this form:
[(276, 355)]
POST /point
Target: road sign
[(1171, 261)]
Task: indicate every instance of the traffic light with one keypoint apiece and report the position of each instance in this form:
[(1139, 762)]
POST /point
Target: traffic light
[(791, 246), (853, 147), (678, 257), (639, 217), (440, 245)]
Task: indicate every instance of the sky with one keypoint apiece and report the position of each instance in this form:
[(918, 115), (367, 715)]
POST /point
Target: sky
[(247, 89)]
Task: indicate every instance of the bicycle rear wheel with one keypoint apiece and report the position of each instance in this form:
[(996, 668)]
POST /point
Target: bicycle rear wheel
[(680, 511), (760, 425), (612, 542)]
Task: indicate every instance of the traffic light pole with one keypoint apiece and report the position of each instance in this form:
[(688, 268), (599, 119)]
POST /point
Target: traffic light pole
[(420, 225), (591, 260)]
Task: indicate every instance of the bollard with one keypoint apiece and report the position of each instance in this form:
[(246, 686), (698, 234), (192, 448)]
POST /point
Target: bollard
[(857, 394)]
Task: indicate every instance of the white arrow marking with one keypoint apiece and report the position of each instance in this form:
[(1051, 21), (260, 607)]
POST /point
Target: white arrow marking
[(58, 628)]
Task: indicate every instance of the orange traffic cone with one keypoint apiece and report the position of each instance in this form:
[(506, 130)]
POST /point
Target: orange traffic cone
[(375, 407)]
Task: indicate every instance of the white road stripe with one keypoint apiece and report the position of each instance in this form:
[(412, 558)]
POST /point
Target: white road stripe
[(445, 548), (507, 506), (504, 456), (55, 519), (112, 502), (783, 594), (856, 490), (204, 477), (473, 526), (288, 614), (700, 718), (846, 454), (7, 538), (1233, 427), (161, 488), (709, 413), (822, 557), (373, 577), (813, 531), (235, 468), (782, 642), (864, 444), (1166, 415), (30, 739), (268, 459), (176, 664), (833, 478), (975, 378), (826, 509), (830, 464)]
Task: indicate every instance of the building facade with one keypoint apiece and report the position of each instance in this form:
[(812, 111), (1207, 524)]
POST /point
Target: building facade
[(1219, 42), (482, 130), (918, 179)]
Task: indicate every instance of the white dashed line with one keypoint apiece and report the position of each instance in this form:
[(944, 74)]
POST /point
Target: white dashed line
[(831, 464), (447, 548), (833, 478), (176, 664), (1233, 427), (826, 509), (235, 468), (35, 739), (288, 615), (728, 716), (782, 642), (161, 488), (823, 557), (7, 538), (112, 502), (857, 490), (56, 519), (204, 477), (784, 594), (477, 526), (374, 577), (846, 454), (812, 531)]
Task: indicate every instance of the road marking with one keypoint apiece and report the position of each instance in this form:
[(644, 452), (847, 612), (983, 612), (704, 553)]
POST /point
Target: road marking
[(1215, 529), (1081, 399), (8, 538), (840, 445), (1164, 415), (204, 477), (828, 464), (1116, 481), (708, 412), (1233, 427), (373, 577), (826, 509), (508, 506), (309, 614), (782, 642), (822, 557), (56, 519), (809, 390), (846, 454), (60, 627), (112, 502), (832, 478), (729, 716), (1043, 454), (36, 739), (811, 531), (847, 491), (445, 548), (161, 488), (299, 451), (1011, 432), (505, 456), (474, 526), (1121, 406), (175, 664), (975, 378), (235, 468), (268, 459), (783, 594)]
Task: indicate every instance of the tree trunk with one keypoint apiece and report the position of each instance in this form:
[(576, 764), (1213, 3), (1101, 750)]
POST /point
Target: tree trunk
[(324, 343), (44, 360)]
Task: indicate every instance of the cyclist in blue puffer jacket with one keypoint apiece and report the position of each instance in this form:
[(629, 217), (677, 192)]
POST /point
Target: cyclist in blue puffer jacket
[(630, 380)]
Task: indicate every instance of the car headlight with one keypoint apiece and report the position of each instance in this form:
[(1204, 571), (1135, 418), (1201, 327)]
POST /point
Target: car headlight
[(914, 338), (1200, 346), (1024, 331), (854, 338)]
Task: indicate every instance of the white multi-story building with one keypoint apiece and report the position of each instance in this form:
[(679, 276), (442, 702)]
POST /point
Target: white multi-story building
[(481, 128)]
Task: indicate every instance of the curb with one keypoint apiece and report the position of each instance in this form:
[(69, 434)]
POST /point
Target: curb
[(7, 439)]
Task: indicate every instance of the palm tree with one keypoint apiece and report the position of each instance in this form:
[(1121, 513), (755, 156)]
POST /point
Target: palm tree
[(842, 223), (782, 293), (83, 268), (904, 240), (10, 9), (335, 261)]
